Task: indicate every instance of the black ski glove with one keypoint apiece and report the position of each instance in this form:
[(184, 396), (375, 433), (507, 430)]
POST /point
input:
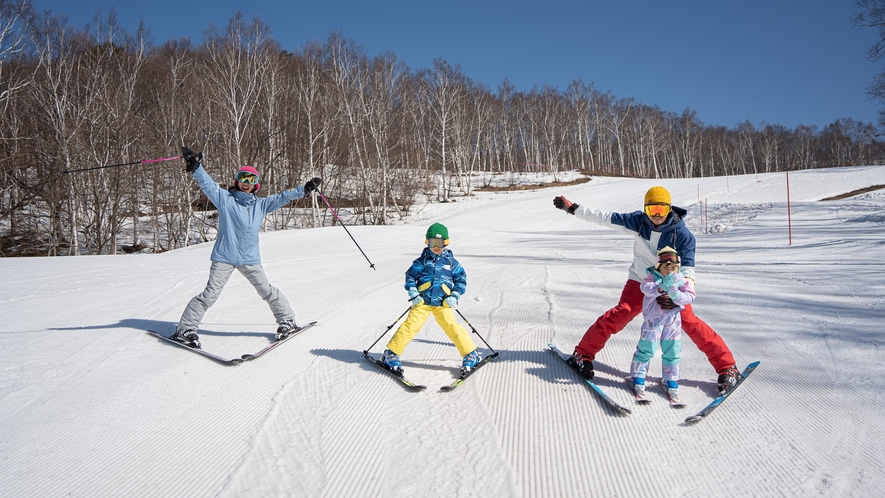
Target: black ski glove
[(312, 185), (665, 302), (192, 159), (565, 204)]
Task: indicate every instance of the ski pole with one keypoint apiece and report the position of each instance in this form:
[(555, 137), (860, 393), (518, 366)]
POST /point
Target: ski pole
[(366, 351), (371, 265), (146, 161), (473, 328), (477, 333)]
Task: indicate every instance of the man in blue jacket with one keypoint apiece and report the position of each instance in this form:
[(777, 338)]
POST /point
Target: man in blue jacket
[(240, 214), (659, 224)]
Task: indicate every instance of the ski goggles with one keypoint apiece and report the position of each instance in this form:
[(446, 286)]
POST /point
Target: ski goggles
[(657, 209), (437, 242), (247, 178), (668, 258)]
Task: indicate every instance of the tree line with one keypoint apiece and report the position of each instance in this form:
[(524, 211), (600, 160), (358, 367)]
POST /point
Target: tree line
[(381, 134)]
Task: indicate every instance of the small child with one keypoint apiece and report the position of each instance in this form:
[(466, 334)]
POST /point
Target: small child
[(435, 281), (662, 325)]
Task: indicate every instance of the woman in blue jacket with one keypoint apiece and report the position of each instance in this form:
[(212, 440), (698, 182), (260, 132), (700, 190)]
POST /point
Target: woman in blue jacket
[(240, 214)]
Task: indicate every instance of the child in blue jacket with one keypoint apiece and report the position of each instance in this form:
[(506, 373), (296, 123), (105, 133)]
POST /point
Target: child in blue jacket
[(434, 282), (240, 214)]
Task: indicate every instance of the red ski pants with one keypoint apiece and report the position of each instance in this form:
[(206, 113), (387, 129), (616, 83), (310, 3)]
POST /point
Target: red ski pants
[(630, 305)]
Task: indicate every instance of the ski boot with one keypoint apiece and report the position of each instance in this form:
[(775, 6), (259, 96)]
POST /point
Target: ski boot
[(188, 337), (672, 388), (639, 390), (583, 363), (728, 378), (286, 327), (471, 359), (391, 361)]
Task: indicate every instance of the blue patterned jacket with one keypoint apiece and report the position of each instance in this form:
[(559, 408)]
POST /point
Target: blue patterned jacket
[(436, 276)]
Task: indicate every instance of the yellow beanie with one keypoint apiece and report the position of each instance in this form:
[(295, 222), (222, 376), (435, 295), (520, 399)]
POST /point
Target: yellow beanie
[(657, 195)]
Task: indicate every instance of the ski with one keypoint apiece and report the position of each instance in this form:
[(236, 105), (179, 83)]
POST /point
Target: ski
[(718, 401), (460, 380), (247, 357), (675, 403), (612, 403), (219, 359), (641, 400), (404, 381)]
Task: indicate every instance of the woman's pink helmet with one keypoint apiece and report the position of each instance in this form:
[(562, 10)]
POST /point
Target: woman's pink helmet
[(250, 171)]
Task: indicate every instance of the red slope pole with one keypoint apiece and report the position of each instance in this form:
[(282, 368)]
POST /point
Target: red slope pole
[(789, 220)]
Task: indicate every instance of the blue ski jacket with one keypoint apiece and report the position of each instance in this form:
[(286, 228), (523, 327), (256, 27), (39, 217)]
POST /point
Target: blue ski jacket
[(435, 277), (239, 219)]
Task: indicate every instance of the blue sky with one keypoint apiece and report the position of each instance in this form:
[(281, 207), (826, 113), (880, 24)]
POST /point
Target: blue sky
[(785, 62)]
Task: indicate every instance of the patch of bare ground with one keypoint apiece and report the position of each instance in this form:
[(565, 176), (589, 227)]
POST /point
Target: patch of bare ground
[(532, 186), (854, 192)]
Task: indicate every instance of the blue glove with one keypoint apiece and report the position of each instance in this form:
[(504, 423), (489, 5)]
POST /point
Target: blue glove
[(669, 281), (452, 300), (415, 297), (674, 294)]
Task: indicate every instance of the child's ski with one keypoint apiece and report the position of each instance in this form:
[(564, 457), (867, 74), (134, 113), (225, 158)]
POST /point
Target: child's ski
[(460, 379), (219, 359), (612, 403), (247, 357), (718, 401), (399, 376), (674, 402)]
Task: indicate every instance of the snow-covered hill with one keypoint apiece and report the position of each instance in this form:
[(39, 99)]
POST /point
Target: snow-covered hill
[(90, 405)]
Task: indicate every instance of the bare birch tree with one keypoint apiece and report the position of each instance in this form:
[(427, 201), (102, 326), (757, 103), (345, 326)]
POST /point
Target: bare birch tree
[(237, 61), (445, 88)]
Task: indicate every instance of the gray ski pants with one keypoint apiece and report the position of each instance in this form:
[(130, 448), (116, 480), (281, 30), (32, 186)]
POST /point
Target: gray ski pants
[(219, 274)]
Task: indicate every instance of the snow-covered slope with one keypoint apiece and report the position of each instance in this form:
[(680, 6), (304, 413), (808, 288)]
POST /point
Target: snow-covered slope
[(90, 405)]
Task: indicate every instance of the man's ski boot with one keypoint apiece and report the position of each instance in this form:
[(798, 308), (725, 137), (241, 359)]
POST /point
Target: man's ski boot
[(286, 327), (188, 337), (583, 363), (728, 378)]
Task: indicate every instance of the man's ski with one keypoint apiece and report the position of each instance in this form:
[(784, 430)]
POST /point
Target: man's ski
[(247, 357), (718, 401), (399, 376), (219, 359), (675, 403), (612, 403), (642, 400), (460, 380)]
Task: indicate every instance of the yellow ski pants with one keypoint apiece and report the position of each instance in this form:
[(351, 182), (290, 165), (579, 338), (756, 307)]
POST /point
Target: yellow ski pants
[(444, 316)]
